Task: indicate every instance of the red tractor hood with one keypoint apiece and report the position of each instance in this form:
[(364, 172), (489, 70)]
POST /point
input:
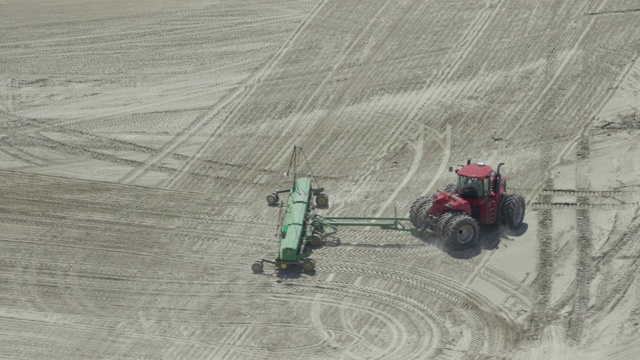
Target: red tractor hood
[(445, 202)]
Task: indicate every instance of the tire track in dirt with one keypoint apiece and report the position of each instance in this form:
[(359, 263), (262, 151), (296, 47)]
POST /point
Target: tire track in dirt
[(582, 204), (550, 84), (235, 100), (21, 155), (540, 317), (307, 105), (328, 133), (444, 139), (440, 79), (584, 268), (420, 317), (616, 281), (486, 321), (416, 103), (368, 67), (140, 169)]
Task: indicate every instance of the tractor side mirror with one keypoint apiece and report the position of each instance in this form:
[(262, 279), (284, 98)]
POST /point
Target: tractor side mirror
[(468, 161), (450, 168)]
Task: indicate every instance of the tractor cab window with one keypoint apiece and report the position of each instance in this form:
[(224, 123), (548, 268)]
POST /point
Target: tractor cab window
[(473, 187)]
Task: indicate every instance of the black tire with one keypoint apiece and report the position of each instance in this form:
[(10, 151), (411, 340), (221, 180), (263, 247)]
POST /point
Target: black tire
[(451, 189), (513, 209), (462, 231), (256, 267), (414, 212), (316, 239), (322, 201), (272, 199), (424, 220), (441, 223), (308, 265)]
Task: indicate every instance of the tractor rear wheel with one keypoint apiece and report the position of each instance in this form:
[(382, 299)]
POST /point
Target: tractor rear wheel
[(441, 223), (462, 231), (423, 216), (308, 265), (414, 212), (513, 209)]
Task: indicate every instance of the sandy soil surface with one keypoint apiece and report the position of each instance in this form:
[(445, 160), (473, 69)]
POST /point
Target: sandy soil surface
[(138, 140)]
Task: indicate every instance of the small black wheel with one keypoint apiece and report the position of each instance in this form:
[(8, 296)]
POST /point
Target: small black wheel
[(322, 201), (257, 267), (308, 265), (272, 199), (316, 239)]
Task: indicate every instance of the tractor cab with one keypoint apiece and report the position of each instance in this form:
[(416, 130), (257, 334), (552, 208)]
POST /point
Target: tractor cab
[(480, 186), (474, 181), (473, 188)]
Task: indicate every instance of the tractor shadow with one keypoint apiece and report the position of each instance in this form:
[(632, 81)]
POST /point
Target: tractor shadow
[(491, 236), (292, 273), (334, 241)]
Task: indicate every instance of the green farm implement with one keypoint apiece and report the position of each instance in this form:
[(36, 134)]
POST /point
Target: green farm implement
[(303, 229)]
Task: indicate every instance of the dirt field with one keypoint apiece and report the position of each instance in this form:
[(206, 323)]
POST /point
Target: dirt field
[(138, 140)]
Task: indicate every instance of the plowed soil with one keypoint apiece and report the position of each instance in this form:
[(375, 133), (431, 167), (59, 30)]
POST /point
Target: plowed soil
[(138, 140)]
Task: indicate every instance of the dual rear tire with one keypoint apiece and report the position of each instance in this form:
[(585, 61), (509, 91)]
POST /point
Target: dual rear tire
[(512, 210), (459, 230), (416, 216)]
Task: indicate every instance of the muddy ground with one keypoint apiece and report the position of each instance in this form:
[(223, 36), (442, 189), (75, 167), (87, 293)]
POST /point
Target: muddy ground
[(138, 141)]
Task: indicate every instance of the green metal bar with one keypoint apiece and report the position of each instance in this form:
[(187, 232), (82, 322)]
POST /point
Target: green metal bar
[(360, 224), (363, 218)]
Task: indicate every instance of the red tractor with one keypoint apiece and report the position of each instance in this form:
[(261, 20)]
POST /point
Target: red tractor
[(479, 198)]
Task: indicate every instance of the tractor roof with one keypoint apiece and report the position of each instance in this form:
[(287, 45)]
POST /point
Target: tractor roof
[(479, 171)]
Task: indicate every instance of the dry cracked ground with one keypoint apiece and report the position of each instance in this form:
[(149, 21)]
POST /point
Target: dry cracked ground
[(138, 141)]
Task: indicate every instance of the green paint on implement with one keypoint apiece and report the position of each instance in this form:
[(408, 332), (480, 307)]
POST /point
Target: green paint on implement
[(294, 229)]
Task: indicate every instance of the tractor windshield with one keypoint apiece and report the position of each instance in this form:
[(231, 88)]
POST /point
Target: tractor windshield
[(473, 187)]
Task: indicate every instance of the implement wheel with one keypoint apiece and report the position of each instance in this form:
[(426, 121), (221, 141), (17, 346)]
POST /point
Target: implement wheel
[(316, 239), (308, 265), (272, 199), (462, 231), (256, 267), (322, 201)]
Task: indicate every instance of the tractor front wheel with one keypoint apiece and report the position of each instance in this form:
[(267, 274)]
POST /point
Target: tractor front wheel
[(513, 210), (462, 231)]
